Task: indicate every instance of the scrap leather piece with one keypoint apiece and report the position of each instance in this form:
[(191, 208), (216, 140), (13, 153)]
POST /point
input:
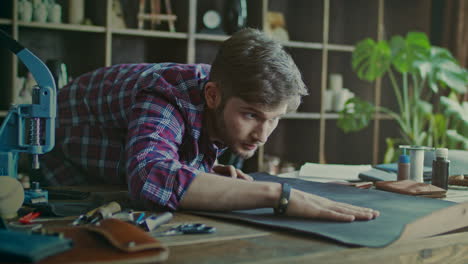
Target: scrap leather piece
[(410, 187), (113, 241), (396, 211)]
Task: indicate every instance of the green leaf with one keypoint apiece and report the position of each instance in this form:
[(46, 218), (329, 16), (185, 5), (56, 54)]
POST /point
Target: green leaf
[(440, 69), (424, 107), (355, 115), (453, 108), (438, 128), (457, 138), (406, 51), (390, 152), (452, 75), (371, 59)]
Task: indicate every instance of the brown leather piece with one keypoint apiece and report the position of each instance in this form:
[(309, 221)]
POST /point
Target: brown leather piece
[(410, 187), (113, 241)]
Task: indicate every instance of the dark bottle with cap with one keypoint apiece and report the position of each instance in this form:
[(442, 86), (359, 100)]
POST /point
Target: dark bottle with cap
[(403, 167), (440, 168)]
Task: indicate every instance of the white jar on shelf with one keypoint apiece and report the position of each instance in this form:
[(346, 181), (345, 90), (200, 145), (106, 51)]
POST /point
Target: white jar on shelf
[(76, 10), (40, 12), (25, 10), (335, 81), (341, 97), (55, 13)]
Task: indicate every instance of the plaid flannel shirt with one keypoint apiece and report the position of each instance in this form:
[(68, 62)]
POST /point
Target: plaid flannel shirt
[(139, 124)]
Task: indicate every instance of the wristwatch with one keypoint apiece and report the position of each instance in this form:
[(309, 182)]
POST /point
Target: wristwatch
[(283, 202)]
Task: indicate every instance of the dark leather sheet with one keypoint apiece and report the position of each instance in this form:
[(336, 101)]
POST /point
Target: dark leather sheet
[(396, 211)]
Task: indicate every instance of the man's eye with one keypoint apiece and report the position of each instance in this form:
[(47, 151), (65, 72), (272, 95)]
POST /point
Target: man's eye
[(250, 115)]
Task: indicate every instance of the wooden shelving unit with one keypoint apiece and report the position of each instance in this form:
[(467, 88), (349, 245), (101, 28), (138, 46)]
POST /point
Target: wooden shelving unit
[(322, 35)]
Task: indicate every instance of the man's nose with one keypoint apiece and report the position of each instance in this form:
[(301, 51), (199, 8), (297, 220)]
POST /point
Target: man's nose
[(261, 133)]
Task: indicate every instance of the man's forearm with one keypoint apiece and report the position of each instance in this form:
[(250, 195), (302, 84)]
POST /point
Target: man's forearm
[(214, 192), (217, 193)]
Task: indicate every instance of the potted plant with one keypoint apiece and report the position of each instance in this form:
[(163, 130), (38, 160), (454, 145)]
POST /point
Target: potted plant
[(420, 74)]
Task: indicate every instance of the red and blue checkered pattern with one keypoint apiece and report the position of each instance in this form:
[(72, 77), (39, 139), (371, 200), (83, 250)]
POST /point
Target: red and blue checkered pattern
[(139, 124)]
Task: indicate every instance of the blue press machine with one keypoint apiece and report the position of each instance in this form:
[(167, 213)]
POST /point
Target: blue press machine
[(14, 137)]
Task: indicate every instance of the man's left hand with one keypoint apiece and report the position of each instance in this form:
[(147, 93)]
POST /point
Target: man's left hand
[(231, 171)]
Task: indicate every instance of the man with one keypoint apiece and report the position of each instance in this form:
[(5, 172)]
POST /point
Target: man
[(160, 128)]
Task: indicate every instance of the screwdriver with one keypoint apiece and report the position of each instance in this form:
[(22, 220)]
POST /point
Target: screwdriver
[(104, 212)]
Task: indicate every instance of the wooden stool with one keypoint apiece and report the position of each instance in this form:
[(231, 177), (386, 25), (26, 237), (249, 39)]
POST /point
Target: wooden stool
[(155, 16)]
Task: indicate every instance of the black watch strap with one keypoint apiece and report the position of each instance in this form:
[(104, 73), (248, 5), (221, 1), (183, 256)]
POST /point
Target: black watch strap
[(283, 202)]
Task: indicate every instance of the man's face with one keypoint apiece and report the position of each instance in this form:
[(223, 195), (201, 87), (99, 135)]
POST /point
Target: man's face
[(243, 127)]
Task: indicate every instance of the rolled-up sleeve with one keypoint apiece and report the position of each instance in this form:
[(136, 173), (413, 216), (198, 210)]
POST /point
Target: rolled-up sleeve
[(154, 172)]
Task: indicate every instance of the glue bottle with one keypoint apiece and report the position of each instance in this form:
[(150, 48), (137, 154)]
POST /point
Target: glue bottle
[(403, 167), (440, 168)]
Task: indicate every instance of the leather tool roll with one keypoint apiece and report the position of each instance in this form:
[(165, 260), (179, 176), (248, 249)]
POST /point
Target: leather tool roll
[(410, 187), (113, 241)]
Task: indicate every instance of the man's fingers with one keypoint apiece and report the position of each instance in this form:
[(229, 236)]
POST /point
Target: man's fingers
[(242, 175), (336, 216), (361, 213), (232, 171), (313, 206)]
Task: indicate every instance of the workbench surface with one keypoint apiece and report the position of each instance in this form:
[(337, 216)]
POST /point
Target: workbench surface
[(235, 242), (238, 242)]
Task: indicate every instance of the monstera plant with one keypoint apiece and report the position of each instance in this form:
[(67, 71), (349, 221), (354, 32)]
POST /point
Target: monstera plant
[(420, 75)]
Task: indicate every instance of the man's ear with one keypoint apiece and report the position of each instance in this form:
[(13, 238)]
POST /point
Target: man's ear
[(212, 95)]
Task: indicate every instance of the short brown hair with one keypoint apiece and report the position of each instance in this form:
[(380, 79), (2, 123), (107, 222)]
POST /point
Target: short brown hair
[(257, 69)]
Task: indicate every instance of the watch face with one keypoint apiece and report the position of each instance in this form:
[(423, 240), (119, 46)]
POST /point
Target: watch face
[(211, 19)]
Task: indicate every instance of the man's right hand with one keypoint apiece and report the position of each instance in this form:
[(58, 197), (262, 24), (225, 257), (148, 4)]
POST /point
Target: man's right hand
[(307, 205)]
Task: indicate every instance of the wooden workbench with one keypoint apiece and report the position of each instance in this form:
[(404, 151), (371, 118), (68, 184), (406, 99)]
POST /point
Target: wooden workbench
[(235, 242)]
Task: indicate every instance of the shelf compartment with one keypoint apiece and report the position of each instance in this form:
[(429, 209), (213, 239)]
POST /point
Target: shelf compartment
[(350, 20), (303, 19), (80, 51), (309, 62), (6, 8), (254, 18), (388, 129), (295, 141), (402, 16), (348, 148), (340, 63), (206, 51), (6, 72), (133, 49)]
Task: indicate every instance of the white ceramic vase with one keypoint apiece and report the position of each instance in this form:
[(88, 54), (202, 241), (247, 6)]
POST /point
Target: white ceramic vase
[(55, 13), (76, 11), (25, 11), (40, 12)]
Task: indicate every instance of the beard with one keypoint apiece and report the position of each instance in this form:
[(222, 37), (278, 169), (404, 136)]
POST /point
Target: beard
[(226, 137)]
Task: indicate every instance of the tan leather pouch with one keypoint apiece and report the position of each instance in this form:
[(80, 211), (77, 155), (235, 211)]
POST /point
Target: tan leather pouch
[(411, 188), (113, 241)]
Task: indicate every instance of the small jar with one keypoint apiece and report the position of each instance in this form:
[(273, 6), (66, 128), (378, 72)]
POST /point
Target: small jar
[(403, 168)]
